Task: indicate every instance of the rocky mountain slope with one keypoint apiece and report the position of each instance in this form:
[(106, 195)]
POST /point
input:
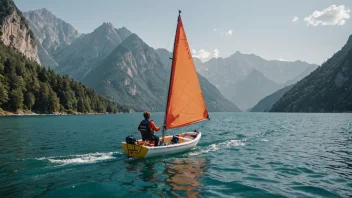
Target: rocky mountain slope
[(27, 86), (53, 33), (14, 31), (134, 74), (79, 58)]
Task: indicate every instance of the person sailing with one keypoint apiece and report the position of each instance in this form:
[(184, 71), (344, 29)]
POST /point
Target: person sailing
[(147, 129)]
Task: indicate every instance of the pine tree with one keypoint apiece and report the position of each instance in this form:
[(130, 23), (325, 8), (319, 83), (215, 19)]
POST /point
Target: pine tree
[(3, 94), (29, 100), (16, 99)]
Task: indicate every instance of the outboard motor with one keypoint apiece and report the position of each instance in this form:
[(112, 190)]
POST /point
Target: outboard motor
[(131, 140)]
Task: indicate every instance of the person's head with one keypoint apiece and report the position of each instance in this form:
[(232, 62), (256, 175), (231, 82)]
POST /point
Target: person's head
[(146, 115)]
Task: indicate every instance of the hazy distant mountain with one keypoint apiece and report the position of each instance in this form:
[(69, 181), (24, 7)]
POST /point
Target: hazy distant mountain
[(327, 89), (302, 75), (88, 50), (265, 104), (52, 33), (242, 64), (246, 93), (227, 75), (214, 100)]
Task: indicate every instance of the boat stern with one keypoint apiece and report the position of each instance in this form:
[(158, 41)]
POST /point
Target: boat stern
[(134, 150)]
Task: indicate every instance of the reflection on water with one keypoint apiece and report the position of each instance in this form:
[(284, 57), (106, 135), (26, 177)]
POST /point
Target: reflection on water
[(180, 177), (185, 176)]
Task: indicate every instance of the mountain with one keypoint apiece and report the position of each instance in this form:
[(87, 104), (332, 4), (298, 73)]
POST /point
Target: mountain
[(53, 33), (231, 76), (25, 85), (79, 58), (45, 58), (165, 57), (302, 75), (242, 64), (265, 104), (214, 100), (327, 89), (135, 75), (132, 74), (14, 31), (249, 91)]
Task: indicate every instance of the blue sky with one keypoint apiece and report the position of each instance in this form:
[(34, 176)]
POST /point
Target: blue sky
[(265, 28)]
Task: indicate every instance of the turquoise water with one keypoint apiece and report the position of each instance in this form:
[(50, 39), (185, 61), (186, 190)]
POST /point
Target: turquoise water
[(239, 155)]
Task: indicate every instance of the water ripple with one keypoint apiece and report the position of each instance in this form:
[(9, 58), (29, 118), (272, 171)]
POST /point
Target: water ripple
[(239, 155)]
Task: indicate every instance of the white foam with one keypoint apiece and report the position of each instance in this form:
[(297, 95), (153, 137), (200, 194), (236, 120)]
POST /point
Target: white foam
[(80, 159), (216, 147)]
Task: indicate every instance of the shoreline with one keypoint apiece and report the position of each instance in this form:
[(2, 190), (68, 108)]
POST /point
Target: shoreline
[(15, 114)]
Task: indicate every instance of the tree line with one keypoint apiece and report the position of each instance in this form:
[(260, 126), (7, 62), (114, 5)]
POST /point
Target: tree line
[(25, 85)]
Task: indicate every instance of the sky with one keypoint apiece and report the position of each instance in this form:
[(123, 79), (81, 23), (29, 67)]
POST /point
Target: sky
[(304, 30)]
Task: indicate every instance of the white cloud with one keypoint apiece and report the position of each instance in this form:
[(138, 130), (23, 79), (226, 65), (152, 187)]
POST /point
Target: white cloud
[(333, 15), (201, 54), (229, 33), (294, 19), (216, 53), (205, 55)]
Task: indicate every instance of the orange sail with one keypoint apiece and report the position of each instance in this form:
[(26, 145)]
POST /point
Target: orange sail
[(185, 104)]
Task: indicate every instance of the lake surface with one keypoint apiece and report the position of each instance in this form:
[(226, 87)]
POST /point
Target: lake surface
[(239, 155)]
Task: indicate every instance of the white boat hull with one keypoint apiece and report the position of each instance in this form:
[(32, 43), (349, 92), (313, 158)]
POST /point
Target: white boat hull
[(187, 141)]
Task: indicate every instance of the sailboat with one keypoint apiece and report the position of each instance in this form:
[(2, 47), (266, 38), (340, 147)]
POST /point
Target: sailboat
[(185, 105)]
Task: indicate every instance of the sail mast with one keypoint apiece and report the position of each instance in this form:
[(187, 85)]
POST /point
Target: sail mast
[(172, 64)]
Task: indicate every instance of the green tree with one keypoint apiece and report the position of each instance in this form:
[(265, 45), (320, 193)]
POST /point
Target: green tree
[(1, 68), (44, 98), (80, 105), (16, 99), (87, 105), (53, 102), (3, 94), (30, 100)]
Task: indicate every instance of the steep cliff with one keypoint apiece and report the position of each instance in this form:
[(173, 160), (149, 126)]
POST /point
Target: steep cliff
[(14, 31)]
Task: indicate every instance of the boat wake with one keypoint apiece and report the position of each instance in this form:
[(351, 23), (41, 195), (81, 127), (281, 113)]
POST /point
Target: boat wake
[(88, 158), (216, 147)]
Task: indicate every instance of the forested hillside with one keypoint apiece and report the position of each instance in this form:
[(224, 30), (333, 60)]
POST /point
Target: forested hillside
[(25, 85)]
